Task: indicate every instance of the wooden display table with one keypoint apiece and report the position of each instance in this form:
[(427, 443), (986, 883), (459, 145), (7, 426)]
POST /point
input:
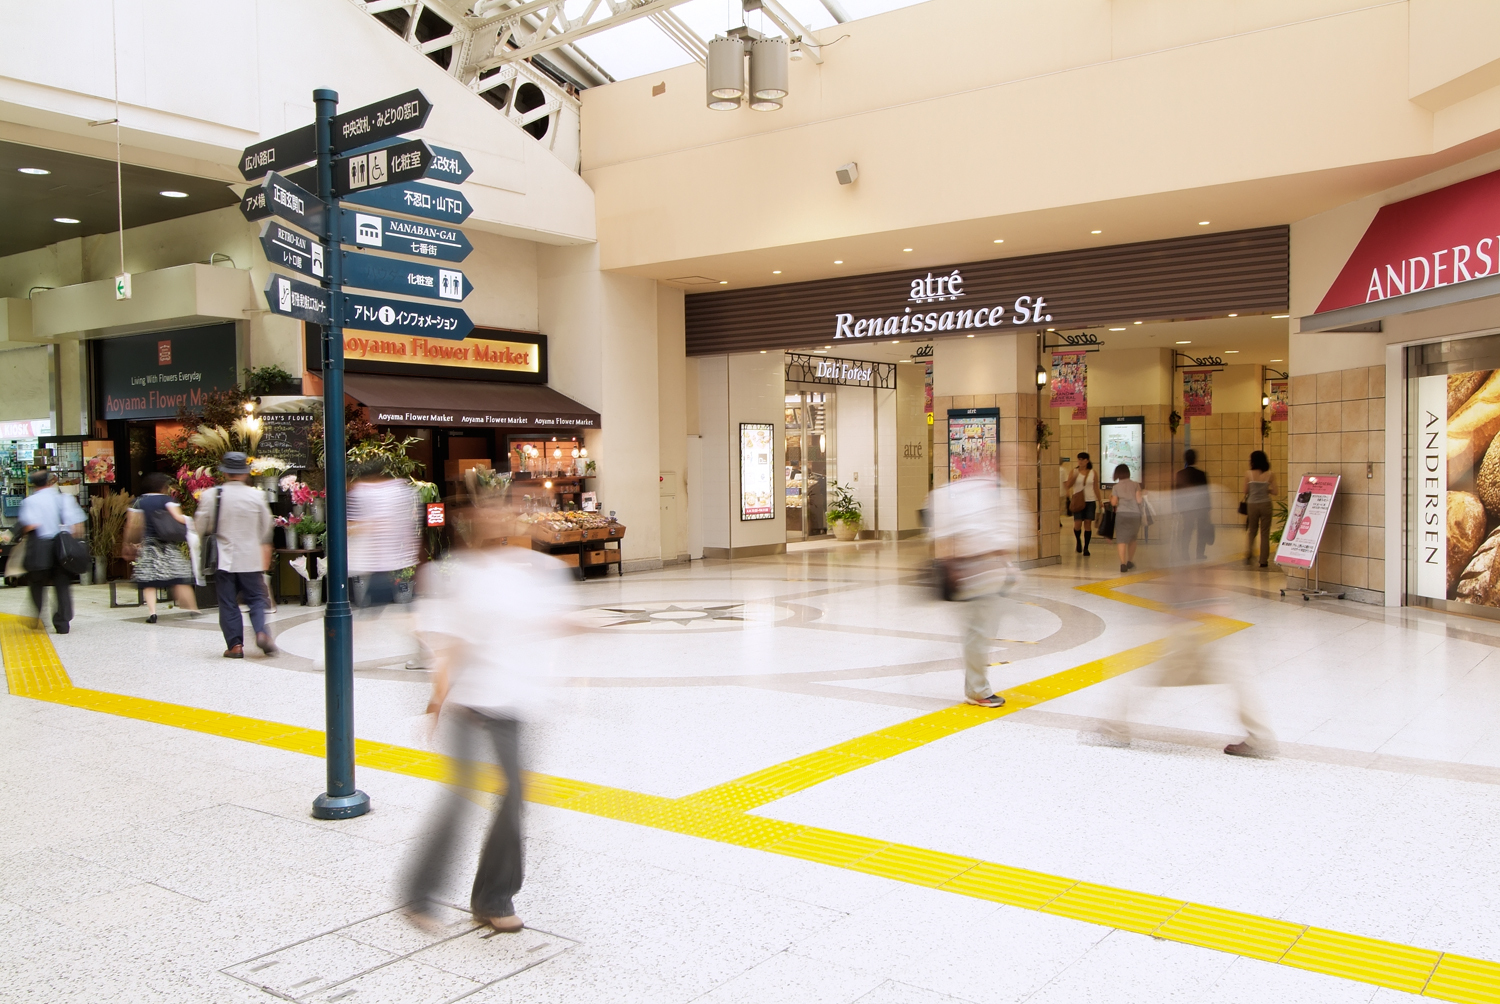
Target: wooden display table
[(583, 549)]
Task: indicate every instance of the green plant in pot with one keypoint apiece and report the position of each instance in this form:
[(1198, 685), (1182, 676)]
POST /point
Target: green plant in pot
[(844, 511), (311, 528)]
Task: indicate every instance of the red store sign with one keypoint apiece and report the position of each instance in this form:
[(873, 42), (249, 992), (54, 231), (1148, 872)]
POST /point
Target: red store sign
[(1441, 238)]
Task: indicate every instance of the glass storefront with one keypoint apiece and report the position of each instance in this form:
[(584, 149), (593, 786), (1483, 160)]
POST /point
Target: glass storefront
[(1452, 534), (810, 437)]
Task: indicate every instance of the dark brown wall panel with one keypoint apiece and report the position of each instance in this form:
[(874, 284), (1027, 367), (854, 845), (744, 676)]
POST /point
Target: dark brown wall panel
[(1184, 278)]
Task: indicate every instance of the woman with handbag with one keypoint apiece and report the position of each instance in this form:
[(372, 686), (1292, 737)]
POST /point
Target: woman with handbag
[(1128, 500), (1083, 500), (155, 532), (1260, 486)]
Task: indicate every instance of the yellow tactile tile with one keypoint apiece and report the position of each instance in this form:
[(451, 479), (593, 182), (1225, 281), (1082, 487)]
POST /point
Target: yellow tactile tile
[(1384, 963), (34, 670), (1465, 980)]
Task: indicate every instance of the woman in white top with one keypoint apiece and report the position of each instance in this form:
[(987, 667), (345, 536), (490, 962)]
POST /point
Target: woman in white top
[(1126, 497), (1085, 482)]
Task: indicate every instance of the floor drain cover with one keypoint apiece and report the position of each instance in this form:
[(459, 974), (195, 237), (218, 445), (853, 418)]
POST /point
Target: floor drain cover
[(386, 959)]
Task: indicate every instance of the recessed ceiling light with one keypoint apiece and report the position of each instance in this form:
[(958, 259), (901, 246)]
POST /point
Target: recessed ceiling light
[(896, 342), (1096, 231), (173, 195), (33, 170), (1000, 240), (1185, 341), (1203, 223), (723, 282), (828, 346), (762, 351), (1231, 352), (906, 249), (1280, 317), (63, 219), (1117, 329), (1140, 322), (838, 261), (971, 336), (775, 271), (1278, 360), (821, 352), (1234, 315)]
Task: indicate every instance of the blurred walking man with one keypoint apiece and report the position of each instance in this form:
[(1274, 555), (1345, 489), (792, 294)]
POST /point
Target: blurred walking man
[(44, 514), (238, 519)]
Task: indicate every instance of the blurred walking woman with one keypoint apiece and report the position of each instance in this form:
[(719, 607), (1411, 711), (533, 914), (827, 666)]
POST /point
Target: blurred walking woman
[(1083, 500), (1260, 485), (158, 530), (1126, 498)]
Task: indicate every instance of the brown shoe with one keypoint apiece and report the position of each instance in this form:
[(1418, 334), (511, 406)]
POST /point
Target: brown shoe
[(1245, 749), (503, 925), (266, 644), (235, 652)]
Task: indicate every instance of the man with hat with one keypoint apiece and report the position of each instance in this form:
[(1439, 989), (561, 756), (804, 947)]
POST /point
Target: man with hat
[(44, 514), (239, 520)]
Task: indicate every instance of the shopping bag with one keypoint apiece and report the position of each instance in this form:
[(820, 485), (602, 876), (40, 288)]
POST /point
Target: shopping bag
[(1107, 523)]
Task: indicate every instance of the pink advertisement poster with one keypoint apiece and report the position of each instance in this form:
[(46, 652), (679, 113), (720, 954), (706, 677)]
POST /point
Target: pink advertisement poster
[(1279, 398), (1197, 393), (1305, 522), (1070, 380)]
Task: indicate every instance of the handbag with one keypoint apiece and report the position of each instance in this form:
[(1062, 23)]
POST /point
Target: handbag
[(211, 539), (1076, 504), (1244, 507), (1107, 523), (69, 553), (164, 528), (15, 565)]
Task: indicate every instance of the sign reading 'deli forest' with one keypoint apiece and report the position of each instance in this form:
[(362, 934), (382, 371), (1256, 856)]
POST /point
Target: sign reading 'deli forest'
[(152, 376)]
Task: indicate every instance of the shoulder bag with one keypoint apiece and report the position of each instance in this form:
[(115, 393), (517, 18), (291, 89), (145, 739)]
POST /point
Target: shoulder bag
[(211, 539), (70, 554), (1075, 501), (166, 529)]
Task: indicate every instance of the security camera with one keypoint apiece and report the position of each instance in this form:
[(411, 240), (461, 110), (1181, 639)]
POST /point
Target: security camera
[(848, 174)]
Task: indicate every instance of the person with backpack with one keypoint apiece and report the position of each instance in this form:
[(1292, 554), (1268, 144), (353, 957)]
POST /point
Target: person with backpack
[(235, 524), (45, 514), (156, 531)]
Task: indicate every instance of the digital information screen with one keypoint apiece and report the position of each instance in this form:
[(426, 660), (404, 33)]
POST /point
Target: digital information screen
[(1122, 441)]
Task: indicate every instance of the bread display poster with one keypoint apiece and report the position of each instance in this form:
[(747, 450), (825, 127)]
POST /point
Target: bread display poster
[(1306, 520), (1457, 476)]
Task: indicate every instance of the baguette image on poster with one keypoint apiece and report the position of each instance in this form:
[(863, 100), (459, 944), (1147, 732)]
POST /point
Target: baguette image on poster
[(1456, 473), (1306, 519)]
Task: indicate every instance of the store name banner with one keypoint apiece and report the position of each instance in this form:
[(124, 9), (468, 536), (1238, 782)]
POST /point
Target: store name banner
[(155, 375), (470, 353), (483, 419), (1438, 239), (32, 429), (949, 315)]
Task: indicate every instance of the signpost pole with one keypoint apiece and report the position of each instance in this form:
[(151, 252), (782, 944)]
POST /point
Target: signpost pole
[(342, 800)]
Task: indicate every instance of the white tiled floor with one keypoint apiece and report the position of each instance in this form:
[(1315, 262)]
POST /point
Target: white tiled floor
[(138, 861)]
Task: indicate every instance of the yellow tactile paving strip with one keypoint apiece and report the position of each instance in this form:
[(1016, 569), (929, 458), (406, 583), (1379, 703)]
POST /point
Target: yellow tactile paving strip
[(33, 669)]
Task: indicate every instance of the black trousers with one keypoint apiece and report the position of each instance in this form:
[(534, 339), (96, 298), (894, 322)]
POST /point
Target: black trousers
[(501, 867), (62, 587)]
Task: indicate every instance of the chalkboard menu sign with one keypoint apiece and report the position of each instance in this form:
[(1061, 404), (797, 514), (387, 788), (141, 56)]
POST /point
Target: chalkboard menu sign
[(284, 435)]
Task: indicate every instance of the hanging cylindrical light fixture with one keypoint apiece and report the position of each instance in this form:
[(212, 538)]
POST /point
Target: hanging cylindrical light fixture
[(726, 74), (768, 73)]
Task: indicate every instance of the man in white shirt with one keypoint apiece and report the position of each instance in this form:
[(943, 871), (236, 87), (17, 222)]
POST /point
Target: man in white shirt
[(44, 514), (239, 519)]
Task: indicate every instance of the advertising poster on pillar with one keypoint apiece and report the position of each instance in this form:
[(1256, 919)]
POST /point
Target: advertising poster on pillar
[(1197, 393), (1455, 478), (1280, 398), (154, 375), (973, 442), (1069, 380), (756, 498), (1306, 520)]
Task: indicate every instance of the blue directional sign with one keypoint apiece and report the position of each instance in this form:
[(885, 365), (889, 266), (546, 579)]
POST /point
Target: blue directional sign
[(401, 317), (292, 249), (298, 299), (449, 165), (444, 165), (279, 197), (412, 237), (392, 275), (416, 199)]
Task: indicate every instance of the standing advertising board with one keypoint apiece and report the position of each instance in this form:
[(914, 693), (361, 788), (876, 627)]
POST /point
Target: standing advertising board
[(1306, 520), (973, 442), (1122, 441), (756, 498)]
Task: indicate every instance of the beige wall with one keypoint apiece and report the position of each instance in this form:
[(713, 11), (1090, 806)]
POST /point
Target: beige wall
[(746, 387), (672, 366), (913, 446)]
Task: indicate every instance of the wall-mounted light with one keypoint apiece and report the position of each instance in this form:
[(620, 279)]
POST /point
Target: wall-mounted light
[(1041, 375), (1265, 400)]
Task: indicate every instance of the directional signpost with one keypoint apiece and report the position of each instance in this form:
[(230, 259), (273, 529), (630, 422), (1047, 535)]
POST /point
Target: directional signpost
[(391, 275), (388, 233), (415, 199), (360, 153)]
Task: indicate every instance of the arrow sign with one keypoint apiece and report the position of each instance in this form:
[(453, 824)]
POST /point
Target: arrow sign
[(253, 204), (406, 160), (297, 299), (292, 249), (401, 317), (445, 165), (388, 233), (392, 275), (449, 165), (279, 197), (416, 199), (395, 116)]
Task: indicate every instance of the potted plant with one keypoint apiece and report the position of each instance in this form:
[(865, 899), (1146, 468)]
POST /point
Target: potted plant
[(107, 514), (310, 534), (405, 579), (843, 512)]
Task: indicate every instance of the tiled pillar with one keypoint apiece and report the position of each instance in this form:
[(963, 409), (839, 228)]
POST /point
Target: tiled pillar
[(1338, 427)]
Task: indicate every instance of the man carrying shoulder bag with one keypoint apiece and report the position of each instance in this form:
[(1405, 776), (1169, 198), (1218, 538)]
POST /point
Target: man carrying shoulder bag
[(53, 523), (235, 524)]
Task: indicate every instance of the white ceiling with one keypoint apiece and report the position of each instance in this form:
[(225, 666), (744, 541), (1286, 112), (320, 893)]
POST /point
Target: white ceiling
[(639, 47)]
